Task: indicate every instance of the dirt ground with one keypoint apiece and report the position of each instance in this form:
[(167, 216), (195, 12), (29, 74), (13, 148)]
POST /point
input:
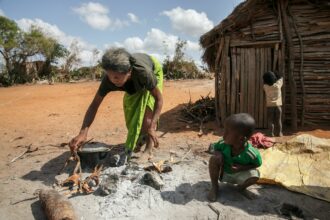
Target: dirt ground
[(48, 115)]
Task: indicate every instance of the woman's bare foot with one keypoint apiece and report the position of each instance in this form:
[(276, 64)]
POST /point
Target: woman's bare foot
[(213, 195), (142, 141), (143, 157)]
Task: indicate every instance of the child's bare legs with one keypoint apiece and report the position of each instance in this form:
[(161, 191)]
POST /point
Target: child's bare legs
[(249, 182), (271, 118), (278, 120), (216, 171)]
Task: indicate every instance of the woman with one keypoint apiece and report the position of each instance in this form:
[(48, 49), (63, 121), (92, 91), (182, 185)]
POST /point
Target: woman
[(141, 77)]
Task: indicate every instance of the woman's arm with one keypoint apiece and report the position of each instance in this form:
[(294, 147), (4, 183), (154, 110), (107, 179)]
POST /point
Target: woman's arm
[(156, 113), (88, 120), (158, 106)]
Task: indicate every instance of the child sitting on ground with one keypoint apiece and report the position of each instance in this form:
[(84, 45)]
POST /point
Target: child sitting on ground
[(235, 160), (272, 87)]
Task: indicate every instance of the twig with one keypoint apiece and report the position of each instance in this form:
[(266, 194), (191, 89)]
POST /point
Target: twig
[(200, 133), (215, 210), (183, 120), (23, 200), (28, 150), (83, 144), (183, 157)]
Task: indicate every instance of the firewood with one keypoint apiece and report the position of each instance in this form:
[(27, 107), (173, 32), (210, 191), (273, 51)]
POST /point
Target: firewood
[(56, 206)]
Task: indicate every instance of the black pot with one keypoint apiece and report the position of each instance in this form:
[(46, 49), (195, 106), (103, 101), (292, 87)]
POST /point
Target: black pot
[(93, 153)]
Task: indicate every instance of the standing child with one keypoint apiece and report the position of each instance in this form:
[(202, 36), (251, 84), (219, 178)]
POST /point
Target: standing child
[(235, 160), (272, 87)]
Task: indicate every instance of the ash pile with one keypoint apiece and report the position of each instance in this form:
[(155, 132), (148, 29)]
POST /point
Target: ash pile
[(140, 191)]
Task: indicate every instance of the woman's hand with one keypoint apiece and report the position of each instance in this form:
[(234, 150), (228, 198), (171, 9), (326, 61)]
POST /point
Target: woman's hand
[(153, 136), (77, 141)]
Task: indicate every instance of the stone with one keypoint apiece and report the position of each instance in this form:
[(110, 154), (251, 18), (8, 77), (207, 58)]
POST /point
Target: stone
[(114, 160), (109, 185), (152, 179)]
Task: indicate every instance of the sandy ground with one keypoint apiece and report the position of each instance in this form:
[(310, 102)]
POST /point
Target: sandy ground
[(48, 115)]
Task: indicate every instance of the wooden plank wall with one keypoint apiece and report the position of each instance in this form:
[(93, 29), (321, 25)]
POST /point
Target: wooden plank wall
[(246, 84), (313, 26)]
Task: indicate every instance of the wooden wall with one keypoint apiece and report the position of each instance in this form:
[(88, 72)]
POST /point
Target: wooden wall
[(243, 52), (312, 24)]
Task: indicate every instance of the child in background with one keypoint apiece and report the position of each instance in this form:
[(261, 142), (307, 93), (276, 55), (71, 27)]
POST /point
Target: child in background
[(235, 160), (272, 87)]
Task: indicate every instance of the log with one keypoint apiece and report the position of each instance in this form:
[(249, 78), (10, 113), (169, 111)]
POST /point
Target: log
[(256, 43), (56, 206), (289, 43)]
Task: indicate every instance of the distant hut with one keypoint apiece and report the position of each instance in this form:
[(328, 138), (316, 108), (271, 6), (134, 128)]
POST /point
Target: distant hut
[(291, 37)]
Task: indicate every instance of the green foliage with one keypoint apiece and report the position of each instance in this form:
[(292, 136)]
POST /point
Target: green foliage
[(9, 34), (180, 67), (16, 47)]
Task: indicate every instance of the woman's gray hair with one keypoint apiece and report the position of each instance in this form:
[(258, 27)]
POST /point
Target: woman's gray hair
[(117, 60)]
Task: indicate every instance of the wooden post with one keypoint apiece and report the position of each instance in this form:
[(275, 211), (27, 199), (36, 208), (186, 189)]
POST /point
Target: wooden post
[(301, 71), (289, 44)]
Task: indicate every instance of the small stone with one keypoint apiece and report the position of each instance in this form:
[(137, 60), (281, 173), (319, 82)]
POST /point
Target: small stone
[(205, 162), (114, 160), (152, 179), (109, 185)]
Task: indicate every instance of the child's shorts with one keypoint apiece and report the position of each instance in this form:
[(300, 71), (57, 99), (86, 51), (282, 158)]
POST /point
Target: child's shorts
[(240, 177)]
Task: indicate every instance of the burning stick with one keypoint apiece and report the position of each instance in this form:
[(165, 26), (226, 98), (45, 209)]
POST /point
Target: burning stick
[(74, 157)]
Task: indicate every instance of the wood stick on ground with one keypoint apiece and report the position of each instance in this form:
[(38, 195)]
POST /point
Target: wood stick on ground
[(183, 157), (28, 150), (56, 206), (23, 200), (215, 210)]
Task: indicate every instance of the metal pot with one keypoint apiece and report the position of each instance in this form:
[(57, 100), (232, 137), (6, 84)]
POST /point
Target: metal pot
[(93, 153)]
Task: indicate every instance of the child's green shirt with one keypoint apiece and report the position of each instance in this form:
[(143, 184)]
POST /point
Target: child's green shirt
[(250, 155)]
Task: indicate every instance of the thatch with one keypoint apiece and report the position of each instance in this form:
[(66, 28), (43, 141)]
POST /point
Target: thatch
[(291, 37)]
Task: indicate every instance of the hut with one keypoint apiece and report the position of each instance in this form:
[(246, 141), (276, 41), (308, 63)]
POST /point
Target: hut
[(291, 37)]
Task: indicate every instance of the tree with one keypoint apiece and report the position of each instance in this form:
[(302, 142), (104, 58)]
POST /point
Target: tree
[(94, 57), (10, 36), (45, 46), (17, 47), (72, 58), (180, 67)]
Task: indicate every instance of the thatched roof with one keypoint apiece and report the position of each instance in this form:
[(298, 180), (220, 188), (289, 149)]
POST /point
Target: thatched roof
[(242, 16)]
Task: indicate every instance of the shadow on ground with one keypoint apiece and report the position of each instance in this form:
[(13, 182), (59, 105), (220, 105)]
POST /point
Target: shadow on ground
[(271, 200), (37, 211), (187, 192), (170, 122), (49, 170)]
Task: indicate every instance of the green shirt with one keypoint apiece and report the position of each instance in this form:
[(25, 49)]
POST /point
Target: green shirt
[(143, 77), (250, 155)]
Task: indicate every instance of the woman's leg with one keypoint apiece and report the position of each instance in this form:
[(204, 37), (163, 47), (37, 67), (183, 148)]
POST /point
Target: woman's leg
[(145, 126)]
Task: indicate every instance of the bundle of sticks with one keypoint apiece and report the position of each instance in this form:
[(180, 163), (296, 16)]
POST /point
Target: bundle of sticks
[(201, 111)]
